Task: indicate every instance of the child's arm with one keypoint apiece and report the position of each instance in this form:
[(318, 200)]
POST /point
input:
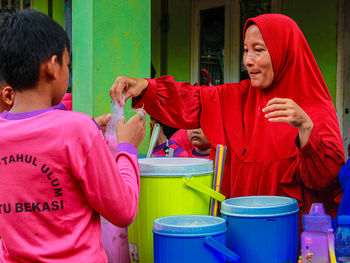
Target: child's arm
[(111, 185)]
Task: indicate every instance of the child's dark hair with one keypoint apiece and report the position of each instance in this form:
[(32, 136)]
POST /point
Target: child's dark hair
[(27, 39)]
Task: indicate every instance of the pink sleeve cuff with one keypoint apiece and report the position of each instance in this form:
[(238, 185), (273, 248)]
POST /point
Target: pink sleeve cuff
[(147, 98), (127, 147)]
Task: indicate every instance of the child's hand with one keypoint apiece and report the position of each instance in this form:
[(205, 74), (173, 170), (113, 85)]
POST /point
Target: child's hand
[(133, 131), (103, 120), (131, 87)]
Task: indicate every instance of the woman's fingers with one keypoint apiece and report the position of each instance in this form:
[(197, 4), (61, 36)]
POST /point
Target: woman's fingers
[(286, 110), (117, 89), (130, 87), (278, 101), (289, 116), (286, 119), (278, 113), (274, 107)]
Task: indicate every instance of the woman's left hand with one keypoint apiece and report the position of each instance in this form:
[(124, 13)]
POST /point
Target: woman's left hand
[(286, 110)]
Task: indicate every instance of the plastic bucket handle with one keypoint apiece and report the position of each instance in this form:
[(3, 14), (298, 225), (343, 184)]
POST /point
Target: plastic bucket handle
[(229, 255), (192, 183), (225, 217)]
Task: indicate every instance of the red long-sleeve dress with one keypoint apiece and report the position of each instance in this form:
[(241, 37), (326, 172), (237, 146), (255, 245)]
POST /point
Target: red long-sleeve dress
[(263, 158)]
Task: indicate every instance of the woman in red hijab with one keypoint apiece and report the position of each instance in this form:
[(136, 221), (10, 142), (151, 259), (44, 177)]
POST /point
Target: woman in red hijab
[(280, 126)]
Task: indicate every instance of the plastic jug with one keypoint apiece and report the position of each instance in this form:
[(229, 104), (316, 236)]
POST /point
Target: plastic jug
[(314, 239), (342, 239)]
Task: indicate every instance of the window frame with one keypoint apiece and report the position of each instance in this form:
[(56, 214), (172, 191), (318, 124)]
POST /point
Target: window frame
[(232, 35)]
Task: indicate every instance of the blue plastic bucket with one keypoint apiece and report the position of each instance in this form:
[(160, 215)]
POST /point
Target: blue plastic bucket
[(191, 238), (262, 228)]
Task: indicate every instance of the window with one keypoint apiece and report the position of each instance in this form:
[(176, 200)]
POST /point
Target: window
[(216, 41), (212, 43), (17, 4)]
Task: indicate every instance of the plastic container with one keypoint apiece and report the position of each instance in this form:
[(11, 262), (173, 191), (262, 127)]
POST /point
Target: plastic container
[(314, 239), (169, 186), (115, 242), (191, 238), (262, 228), (342, 239)]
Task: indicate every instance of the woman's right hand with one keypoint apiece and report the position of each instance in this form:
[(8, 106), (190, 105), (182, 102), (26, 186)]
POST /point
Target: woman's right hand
[(133, 131), (131, 87)]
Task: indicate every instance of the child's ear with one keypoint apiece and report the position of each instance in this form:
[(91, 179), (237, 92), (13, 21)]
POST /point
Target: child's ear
[(50, 67), (8, 95)]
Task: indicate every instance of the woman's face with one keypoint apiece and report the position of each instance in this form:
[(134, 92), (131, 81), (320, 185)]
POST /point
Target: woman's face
[(257, 58)]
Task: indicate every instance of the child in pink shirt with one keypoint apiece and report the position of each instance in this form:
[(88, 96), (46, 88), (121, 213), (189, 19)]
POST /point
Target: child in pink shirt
[(57, 174)]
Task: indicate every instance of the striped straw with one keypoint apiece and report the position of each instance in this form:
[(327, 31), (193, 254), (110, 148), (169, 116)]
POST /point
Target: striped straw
[(219, 169)]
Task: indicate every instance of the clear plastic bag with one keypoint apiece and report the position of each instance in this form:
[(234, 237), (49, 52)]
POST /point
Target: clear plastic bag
[(111, 235), (111, 127)]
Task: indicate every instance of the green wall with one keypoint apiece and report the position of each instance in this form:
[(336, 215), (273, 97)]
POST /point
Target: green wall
[(110, 38), (57, 9), (40, 5), (318, 21), (155, 35), (179, 38)]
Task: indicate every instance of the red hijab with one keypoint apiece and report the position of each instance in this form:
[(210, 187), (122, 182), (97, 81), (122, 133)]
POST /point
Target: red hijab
[(296, 76)]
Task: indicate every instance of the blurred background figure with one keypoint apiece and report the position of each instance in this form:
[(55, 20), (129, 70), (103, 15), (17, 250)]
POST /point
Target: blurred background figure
[(205, 78)]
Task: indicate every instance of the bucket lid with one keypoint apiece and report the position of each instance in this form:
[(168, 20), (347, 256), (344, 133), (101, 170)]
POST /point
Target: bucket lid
[(189, 225), (175, 166), (259, 206)]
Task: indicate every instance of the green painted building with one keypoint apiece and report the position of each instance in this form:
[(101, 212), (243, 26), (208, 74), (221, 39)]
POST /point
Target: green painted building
[(117, 37)]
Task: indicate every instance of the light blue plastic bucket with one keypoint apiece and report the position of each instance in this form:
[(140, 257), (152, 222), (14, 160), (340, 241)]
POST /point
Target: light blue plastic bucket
[(262, 228), (190, 239)]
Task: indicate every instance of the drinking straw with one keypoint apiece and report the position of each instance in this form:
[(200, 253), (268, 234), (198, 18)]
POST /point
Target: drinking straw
[(219, 168), (331, 245)]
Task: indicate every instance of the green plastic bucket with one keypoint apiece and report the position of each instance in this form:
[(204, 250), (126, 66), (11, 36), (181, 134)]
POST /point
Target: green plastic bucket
[(169, 186)]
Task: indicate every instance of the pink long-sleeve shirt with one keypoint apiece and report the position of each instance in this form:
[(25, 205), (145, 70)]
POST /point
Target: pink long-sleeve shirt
[(57, 177)]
